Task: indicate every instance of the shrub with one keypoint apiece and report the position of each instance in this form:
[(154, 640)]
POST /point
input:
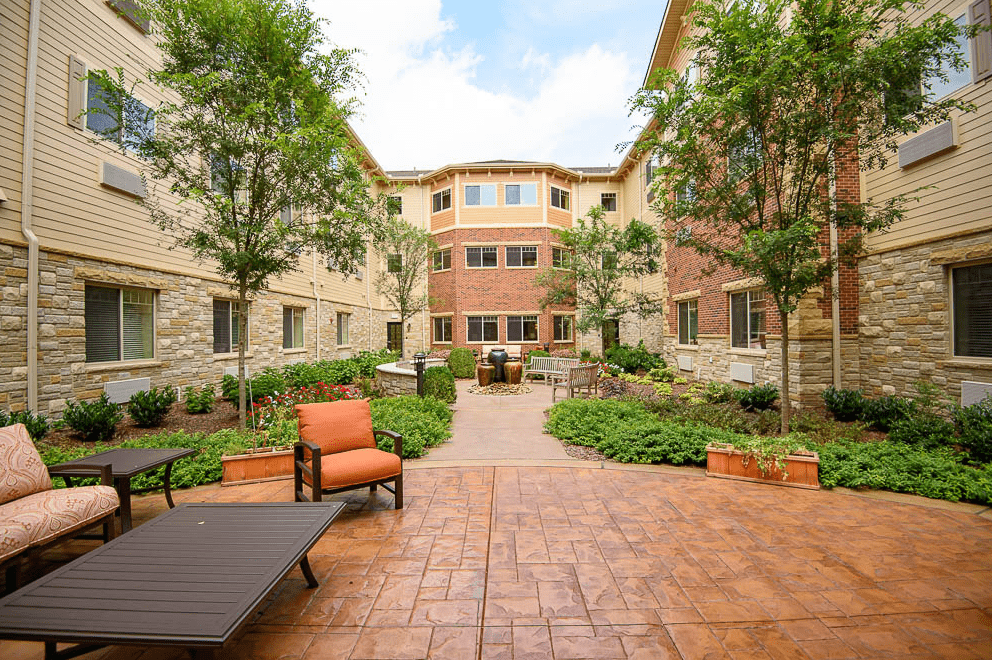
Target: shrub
[(586, 355), (844, 405), (439, 355), (439, 383), (423, 422), (715, 392), (662, 374), (341, 372), (265, 384), (302, 374), (37, 425), (95, 421), (630, 359), (885, 411), (266, 412), (537, 352), (759, 397), (461, 362), (367, 361), (821, 430), (150, 408), (974, 426), (565, 353), (199, 401), (924, 429)]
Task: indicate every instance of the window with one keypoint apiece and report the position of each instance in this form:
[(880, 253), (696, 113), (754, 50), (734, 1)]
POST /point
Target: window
[(480, 257), (688, 321), (563, 328), (226, 327), (132, 12), (747, 319), (442, 259), (483, 328), (609, 260), (683, 235), (394, 263), (441, 201), (442, 329), (972, 307), (521, 328), (649, 171), (955, 79), (561, 258), (481, 195), (395, 205), (522, 194), (744, 156), (292, 327), (608, 201), (559, 199), (139, 120), (120, 324), (343, 322), (521, 256)]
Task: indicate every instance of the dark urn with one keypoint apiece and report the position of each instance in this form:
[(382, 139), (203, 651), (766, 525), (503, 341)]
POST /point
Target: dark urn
[(497, 358)]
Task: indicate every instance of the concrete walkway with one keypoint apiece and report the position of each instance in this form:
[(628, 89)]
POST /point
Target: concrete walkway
[(497, 428)]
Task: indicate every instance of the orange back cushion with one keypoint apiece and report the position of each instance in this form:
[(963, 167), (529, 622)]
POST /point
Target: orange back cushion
[(337, 426)]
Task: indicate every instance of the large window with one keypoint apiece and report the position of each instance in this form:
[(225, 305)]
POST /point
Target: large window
[(521, 256), (138, 118), (344, 320), (560, 199), (521, 328), (608, 201), (292, 327), (520, 194), (120, 324), (226, 327), (561, 258), (972, 307), (395, 205), (442, 259), (955, 79), (480, 195), (441, 201), (483, 328), (747, 319), (480, 257), (563, 328), (688, 321), (394, 263), (442, 329)]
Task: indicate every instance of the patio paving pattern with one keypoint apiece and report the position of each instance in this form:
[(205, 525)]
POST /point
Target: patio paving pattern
[(513, 563)]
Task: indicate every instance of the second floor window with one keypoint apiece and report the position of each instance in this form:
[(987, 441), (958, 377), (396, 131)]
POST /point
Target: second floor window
[(441, 201), (608, 201), (480, 257), (481, 195), (394, 263), (521, 256), (395, 205), (520, 194), (138, 119), (442, 259), (560, 199)]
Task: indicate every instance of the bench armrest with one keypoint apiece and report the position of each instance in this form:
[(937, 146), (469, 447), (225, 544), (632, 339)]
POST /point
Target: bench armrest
[(397, 441)]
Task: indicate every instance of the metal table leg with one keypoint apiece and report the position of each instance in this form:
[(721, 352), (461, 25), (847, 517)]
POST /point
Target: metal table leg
[(124, 493), (168, 489)]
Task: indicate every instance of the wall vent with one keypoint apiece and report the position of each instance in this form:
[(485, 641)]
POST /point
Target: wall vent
[(120, 391), (742, 372), (233, 371), (117, 178), (685, 362), (973, 392), (926, 145)]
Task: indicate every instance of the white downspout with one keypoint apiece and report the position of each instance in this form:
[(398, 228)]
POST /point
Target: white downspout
[(368, 289), (316, 295), (835, 290), (27, 203), (423, 317)]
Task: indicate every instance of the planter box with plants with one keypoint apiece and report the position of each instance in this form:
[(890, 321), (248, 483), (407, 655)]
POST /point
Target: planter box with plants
[(258, 464), (781, 461)]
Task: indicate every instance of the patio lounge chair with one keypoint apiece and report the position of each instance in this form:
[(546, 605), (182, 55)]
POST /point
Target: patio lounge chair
[(337, 452)]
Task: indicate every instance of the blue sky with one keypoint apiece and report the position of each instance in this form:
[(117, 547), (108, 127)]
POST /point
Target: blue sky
[(451, 82)]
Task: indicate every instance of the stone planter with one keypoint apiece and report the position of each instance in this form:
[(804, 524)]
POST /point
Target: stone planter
[(723, 461), (265, 464)]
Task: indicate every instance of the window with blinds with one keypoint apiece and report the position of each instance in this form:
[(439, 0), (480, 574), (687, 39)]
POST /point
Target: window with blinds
[(972, 303), (226, 326), (292, 327), (747, 319), (344, 321), (120, 324)]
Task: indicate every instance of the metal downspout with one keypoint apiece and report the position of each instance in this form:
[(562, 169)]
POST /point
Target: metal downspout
[(834, 286), (316, 295), (27, 203)]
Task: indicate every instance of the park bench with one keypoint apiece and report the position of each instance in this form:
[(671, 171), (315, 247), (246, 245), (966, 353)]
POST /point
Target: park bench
[(548, 367), (576, 379)]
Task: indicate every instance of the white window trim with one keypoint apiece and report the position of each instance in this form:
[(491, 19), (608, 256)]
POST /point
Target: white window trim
[(616, 201), (482, 316), (450, 200), (441, 270), (560, 190), (571, 328), (230, 320), (536, 203), (537, 327), (481, 247), (962, 360), (563, 249), (678, 322), (744, 350), (303, 321), (154, 359), (103, 138), (537, 258), (451, 331), (337, 329), (480, 205)]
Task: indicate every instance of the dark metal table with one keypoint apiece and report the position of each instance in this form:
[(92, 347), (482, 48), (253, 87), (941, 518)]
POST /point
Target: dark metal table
[(189, 578), (125, 464)]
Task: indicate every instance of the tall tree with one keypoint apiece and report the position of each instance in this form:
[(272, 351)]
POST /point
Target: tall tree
[(787, 92), (253, 140), (603, 259), (405, 250)]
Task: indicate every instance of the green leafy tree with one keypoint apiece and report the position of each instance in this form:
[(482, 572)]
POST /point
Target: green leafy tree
[(405, 249), (749, 150), (252, 139), (603, 260)]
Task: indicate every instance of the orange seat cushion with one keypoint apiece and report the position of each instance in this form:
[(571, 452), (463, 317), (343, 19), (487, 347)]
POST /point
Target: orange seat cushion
[(358, 466), (337, 426)]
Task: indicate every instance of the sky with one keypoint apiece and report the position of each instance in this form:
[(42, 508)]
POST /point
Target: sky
[(470, 80)]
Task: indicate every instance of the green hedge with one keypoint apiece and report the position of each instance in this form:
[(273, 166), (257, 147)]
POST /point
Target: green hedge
[(423, 423)]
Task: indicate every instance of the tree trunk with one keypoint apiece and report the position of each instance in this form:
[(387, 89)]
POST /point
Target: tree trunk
[(786, 399), (242, 346)]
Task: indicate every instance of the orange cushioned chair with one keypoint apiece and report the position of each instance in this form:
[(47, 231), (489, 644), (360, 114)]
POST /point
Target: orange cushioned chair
[(337, 451)]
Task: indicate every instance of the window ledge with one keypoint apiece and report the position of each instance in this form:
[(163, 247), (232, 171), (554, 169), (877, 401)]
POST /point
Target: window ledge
[(121, 365), (522, 267), (481, 267), (446, 343), (968, 363), (440, 270), (691, 347), (231, 356), (342, 346), (291, 351), (756, 352), (482, 342)]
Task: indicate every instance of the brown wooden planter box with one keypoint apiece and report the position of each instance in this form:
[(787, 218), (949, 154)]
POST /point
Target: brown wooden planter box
[(722, 460), (266, 464)]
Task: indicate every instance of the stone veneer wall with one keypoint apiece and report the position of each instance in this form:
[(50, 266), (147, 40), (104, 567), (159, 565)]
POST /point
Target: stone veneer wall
[(905, 321), (183, 326)]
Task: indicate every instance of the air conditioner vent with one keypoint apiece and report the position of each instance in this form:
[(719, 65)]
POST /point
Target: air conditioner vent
[(117, 178)]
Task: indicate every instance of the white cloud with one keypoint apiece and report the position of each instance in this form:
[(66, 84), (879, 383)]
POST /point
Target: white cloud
[(424, 107)]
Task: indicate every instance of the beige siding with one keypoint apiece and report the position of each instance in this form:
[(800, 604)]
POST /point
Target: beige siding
[(13, 55), (501, 213), (960, 200)]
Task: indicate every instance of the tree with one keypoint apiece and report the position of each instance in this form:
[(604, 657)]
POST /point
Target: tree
[(406, 250), (603, 259), (253, 141), (750, 152)]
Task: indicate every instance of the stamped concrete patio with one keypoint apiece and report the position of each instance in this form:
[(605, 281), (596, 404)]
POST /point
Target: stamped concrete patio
[(573, 560)]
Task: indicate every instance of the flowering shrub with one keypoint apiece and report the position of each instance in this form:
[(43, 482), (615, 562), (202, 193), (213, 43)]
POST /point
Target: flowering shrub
[(269, 410), (605, 369), (565, 353), (439, 355)]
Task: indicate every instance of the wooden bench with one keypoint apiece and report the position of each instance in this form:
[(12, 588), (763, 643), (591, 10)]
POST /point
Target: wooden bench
[(548, 367), (575, 379)]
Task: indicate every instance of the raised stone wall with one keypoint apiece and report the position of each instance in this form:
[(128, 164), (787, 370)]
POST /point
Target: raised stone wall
[(399, 378)]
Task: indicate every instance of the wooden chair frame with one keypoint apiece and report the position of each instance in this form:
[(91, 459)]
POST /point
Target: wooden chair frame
[(311, 468)]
